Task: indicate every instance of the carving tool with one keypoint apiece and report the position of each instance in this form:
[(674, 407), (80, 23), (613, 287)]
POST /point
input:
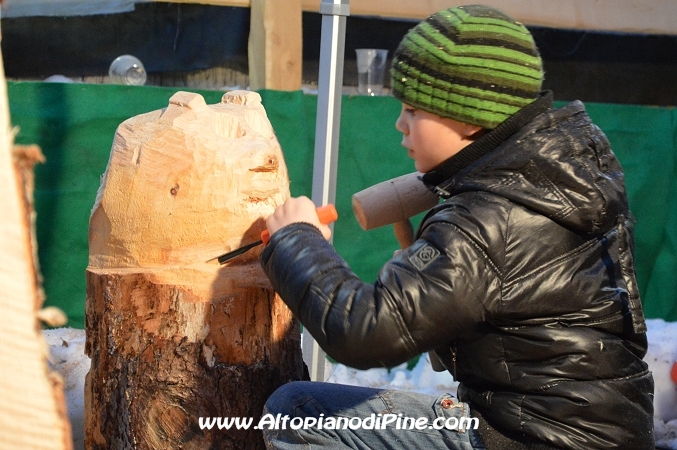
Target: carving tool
[(327, 214)]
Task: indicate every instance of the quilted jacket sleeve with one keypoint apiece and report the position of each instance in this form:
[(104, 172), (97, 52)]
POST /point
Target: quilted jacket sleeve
[(424, 298)]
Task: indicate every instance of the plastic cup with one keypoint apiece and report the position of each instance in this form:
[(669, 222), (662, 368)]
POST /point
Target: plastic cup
[(371, 64), (127, 69)]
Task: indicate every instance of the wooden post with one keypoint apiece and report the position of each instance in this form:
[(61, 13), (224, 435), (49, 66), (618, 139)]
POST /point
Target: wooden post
[(275, 45), (171, 336)]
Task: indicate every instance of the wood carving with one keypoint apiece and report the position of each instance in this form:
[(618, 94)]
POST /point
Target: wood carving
[(172, 337)]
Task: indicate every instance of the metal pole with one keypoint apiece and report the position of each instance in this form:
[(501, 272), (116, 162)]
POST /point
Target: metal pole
[(328, 123)]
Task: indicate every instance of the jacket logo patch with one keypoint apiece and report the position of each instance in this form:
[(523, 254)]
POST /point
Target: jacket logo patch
[(424, 256)]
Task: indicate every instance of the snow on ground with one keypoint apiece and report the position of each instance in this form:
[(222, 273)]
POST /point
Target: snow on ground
[(661, 356), (67, 357)]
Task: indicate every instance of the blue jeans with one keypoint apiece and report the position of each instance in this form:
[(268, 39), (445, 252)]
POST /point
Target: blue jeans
[(334, 416)]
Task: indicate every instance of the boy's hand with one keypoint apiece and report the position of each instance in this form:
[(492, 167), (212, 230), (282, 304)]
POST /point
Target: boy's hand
[(300, 209)]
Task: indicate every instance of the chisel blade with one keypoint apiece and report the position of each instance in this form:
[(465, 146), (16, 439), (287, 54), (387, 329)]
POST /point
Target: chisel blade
[(230, 255), (327, 214)]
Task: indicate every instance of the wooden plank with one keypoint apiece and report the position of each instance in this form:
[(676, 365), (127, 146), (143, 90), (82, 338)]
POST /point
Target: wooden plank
[(630, 16), (656, 16), (241, 3), (275, 45)]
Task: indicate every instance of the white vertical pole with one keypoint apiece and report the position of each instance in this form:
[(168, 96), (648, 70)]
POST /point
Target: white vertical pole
[(328, 123)]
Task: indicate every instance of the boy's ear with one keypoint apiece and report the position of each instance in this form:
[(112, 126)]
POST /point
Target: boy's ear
[(473, 131)]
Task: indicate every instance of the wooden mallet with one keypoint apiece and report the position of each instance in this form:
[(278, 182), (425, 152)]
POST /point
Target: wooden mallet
[(394, 201)]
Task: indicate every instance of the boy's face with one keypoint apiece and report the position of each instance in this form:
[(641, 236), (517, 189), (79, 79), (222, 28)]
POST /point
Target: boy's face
[(432, 139)]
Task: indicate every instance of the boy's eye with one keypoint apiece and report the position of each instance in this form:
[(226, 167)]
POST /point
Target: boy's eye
[(411, 111)]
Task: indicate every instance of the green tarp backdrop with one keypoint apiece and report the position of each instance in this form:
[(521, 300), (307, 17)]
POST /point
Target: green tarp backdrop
[(74, 124)]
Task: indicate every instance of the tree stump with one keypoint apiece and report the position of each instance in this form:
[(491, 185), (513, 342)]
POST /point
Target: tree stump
[(172, 337)]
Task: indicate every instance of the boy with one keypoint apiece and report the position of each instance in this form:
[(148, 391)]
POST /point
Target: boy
[(521, 280)]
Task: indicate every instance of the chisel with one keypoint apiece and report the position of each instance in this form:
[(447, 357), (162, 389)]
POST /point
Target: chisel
[(327, 214)]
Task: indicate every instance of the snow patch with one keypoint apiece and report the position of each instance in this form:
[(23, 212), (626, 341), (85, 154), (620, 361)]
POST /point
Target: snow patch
[(660, 357)]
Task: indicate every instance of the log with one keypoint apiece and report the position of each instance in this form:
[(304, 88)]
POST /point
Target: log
[(172, 337), (33, 408)]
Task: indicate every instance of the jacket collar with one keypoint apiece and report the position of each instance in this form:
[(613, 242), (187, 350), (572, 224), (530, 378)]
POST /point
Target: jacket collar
[(438, 180)]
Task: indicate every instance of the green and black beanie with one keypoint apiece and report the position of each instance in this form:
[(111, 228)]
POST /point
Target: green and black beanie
[(473, 64)]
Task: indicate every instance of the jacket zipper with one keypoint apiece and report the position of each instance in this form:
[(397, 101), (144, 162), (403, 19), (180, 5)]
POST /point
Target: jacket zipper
[(452, 348)]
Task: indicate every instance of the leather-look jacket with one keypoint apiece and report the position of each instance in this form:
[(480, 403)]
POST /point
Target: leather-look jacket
[(522, 281)]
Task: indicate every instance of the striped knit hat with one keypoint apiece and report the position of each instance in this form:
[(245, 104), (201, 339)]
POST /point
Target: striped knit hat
[(473, 64)]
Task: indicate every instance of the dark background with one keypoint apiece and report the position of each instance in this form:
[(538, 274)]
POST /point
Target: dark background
[(585, 65)]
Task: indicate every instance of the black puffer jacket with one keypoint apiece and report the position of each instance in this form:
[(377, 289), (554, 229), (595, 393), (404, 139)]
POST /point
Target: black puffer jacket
[(522, 281)]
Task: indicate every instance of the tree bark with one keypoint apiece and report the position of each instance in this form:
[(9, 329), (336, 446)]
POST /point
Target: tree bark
[(173, 337)]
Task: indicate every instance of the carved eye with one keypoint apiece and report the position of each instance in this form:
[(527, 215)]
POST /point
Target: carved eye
[(270, 165)]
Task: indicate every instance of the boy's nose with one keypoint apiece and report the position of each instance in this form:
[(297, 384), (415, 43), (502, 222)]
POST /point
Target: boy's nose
[(400, 125)]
